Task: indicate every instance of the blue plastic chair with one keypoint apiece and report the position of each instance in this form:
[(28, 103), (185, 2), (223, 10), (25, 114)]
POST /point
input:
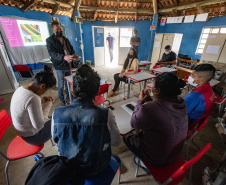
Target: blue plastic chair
[(107, 176)]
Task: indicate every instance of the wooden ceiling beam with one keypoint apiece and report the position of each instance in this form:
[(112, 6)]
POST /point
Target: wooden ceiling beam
[(27, 5), (55, 8), (191, 5), (91, 8)]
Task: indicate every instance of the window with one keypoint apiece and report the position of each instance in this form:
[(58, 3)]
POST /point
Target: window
[(223, 30), (205, 34), (125, 36)]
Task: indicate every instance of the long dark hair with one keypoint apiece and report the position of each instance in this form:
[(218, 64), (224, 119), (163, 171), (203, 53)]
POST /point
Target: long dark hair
[(45, 76), (127, 58), (86, 83)]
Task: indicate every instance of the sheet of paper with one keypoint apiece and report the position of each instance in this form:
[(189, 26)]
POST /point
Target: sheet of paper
[(189, 19), (157, 44), (127, 109), (201, 17), (178, 19), (213, 49), (170, 20), (100, 30)]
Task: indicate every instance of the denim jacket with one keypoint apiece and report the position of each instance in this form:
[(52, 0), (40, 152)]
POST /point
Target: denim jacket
[(80, 130)]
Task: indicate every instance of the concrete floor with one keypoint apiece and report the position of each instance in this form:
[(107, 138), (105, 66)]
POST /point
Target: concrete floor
[(19, 169)]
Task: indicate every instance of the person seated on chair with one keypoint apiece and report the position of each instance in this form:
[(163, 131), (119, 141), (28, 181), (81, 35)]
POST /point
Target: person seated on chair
[(130, 67), (30, 112), (163, 122), (200, 102), (168, 58), (83, 130)]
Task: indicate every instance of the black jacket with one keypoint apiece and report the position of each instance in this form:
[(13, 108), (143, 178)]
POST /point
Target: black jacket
[(56, 51), (55, 170)]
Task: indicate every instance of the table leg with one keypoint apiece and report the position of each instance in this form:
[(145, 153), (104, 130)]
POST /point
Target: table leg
[(69, 91), (128, 93), (145, 82)]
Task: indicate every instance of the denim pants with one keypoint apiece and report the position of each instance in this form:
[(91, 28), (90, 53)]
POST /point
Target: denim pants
[(111, 53), (62, 83)]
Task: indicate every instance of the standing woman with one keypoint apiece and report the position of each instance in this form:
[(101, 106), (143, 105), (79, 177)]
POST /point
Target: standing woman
[(130, 67), (30, 112)]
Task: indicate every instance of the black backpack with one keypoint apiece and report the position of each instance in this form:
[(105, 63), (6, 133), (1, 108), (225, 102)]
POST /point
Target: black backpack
[(55, 170)]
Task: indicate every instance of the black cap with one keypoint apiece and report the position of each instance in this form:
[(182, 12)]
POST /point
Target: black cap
[(168, 47)]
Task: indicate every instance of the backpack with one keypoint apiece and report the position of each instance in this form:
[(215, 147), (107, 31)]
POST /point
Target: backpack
[(55, 170)]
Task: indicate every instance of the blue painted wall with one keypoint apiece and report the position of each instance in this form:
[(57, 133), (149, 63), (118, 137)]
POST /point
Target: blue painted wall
[(191, 33), (143, 28), (43, 16)]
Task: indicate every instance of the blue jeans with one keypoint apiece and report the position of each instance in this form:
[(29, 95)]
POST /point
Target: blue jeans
[(111, 53), (62, 83)]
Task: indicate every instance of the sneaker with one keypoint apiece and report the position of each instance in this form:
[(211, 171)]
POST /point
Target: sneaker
[(111, 94), (141, 164)]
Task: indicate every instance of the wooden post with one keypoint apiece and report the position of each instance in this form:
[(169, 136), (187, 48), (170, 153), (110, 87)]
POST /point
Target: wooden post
[(55, 9), (155, 6), (27, 5), (116, 17)]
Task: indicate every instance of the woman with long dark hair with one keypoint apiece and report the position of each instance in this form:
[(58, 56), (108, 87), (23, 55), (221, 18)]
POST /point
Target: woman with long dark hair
[(130, 67), (30, 112)]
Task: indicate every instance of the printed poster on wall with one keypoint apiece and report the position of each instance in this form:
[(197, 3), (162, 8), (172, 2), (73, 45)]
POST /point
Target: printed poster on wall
[(152, 28), (170, 20), (163, 21), (189, 19), (202, 17)]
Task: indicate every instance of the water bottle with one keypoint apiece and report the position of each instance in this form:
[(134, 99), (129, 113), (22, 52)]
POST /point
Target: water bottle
[(36, 158)]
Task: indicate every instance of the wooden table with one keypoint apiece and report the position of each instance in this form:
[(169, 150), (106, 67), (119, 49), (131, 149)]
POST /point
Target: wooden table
[(139, 77), (163, 69), (122, 117)]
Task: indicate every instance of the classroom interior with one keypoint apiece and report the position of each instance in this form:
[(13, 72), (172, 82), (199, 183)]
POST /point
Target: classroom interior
[(196, 31)]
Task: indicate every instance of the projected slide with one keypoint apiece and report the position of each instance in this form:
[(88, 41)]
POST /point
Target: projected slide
[(33, 32), (25, 33)]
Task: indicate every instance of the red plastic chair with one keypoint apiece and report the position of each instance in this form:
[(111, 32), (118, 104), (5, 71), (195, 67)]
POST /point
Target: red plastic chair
[(186, 78), (18, 148), (220, 100), (154, 67), (176, 171), (193, 130), (24, 71), (99, 99)]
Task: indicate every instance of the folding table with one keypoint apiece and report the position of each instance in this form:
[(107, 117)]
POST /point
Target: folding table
[(139, 77)]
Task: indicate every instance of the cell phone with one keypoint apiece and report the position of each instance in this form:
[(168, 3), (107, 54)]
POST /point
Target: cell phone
[(130, 106)]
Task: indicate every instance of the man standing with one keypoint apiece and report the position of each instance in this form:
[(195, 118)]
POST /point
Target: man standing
[(169, 57), (135, 42), (62, 54), (110, 41)]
